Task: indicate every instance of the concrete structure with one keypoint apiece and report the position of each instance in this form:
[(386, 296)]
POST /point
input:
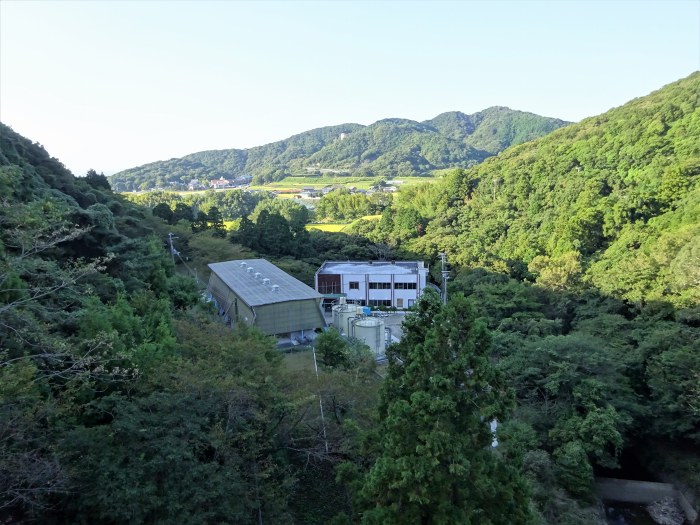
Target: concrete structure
[(258, 293), (372, 283), (632, 491)]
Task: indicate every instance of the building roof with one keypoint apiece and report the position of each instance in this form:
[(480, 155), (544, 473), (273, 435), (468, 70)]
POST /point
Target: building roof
[(371, 267), (255, 291)]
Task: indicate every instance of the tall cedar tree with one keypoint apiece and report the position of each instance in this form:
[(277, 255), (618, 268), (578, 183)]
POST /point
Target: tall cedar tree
[(436, 464)]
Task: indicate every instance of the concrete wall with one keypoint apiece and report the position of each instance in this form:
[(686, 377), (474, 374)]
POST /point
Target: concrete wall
[(645, 492)]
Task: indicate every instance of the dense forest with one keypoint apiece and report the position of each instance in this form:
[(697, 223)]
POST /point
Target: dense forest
[(388, 148), (573, 320), (581, 252)]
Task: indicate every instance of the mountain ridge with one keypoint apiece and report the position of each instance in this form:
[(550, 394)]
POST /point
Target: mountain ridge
[(386, 148)]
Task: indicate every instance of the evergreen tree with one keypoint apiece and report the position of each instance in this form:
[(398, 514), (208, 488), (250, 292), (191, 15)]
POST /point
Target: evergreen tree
[(182, 212), (163, 211), (247, 233), (436, 464), (275, 235), (216, 222), (97, 180), (200, 222)]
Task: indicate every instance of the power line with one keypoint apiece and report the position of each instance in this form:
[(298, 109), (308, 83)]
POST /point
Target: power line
[(174, 252)]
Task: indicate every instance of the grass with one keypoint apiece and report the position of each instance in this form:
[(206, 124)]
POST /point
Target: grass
[(297, 361)]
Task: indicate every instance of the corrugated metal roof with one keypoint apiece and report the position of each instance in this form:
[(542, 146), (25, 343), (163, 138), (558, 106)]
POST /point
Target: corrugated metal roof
[(255, 291), (374, 267)]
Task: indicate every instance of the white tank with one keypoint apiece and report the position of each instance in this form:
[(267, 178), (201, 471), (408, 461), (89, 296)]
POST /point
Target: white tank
[(342, 313), (370, 330)]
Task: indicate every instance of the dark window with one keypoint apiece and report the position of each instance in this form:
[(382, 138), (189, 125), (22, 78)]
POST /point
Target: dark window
[(380, 302), (354, 285), (404, 286), (380, 286), (328, 288)]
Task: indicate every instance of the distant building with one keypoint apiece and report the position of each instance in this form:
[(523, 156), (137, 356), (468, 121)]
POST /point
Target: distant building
[(327, 189), (219, 183), (243, 180), (258, 293), (372, 283), (309, 193)]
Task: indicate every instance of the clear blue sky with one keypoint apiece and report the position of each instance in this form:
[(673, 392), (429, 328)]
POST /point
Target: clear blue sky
[(112, 85)]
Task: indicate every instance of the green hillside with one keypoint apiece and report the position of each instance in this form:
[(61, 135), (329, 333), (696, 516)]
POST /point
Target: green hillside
[(113, 375), (388, 148), (617, 192), (581, 251)]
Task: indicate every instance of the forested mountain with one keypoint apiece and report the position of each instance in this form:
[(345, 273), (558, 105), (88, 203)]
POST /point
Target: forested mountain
[(389, 148), (581, 250), (613, 198)]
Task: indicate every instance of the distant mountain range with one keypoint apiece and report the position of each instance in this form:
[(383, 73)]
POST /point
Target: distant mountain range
[(388, 148)]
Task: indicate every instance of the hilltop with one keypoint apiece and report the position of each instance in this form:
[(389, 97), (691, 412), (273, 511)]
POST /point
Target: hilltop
[(388, 148)]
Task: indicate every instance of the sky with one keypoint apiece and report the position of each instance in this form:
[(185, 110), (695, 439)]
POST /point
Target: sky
[(110, 85)]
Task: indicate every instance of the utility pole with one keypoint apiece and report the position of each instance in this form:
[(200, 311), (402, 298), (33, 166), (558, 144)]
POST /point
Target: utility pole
[(320, 401), (172, 250), (445, 277)]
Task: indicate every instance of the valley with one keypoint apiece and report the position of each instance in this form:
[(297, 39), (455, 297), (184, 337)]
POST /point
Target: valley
[(573, 319)]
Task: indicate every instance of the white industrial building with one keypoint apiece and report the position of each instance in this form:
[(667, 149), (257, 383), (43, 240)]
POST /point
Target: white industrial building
[(395, 284)]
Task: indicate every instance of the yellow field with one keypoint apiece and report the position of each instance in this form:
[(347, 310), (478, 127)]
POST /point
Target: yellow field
[(286, 195), (329, 227), (335, 227)]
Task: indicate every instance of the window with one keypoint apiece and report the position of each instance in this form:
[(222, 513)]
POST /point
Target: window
[(328, 288), (380, 286), (380, 302), (399, 302), (354, 285), (404, 286)]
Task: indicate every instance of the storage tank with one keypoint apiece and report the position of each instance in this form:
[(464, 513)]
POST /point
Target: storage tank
[(370, 330), (342, 313)]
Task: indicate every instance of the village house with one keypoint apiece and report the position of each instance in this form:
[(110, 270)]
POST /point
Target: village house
[(219, 183)]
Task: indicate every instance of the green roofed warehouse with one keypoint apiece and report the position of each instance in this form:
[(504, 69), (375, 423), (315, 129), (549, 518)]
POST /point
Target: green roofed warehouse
[(258, 293)]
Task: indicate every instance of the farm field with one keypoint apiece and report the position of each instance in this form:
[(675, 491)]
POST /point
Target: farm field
[(334, 227), (297, 183)]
